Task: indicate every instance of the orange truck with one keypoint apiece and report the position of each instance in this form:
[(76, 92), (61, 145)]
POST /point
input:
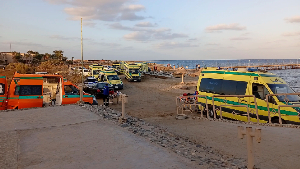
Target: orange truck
[(38, 90), (3, 92)]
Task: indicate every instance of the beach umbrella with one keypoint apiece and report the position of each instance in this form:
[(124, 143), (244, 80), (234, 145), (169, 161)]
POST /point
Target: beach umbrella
[(181, 71)]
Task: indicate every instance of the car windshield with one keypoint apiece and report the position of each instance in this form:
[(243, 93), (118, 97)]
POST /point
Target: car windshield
[(284, 88), (91, 80), (134, 71), (113, 77), (101, 85), (96, 71)]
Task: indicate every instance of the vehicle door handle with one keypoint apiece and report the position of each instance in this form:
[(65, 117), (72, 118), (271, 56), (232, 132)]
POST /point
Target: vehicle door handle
[(66, 96), (39, 97)]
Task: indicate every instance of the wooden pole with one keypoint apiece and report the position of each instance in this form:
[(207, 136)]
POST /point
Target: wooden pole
[(81, 91), (181, 78), (249, 134), (123, 107)]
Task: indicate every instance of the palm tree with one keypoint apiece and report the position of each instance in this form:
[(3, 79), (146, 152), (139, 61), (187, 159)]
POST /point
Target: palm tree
[(47, 56), (17, 56), (27, 56), (59, 54)]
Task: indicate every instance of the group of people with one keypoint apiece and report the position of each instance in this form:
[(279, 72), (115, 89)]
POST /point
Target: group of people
[(106, 94)]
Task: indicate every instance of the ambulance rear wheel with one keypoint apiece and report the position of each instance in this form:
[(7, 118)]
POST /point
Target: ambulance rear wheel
[(276, 120)]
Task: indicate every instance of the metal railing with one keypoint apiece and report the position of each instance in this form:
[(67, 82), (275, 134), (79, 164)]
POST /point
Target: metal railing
[(239, 101), (186, 103), (286, 100)]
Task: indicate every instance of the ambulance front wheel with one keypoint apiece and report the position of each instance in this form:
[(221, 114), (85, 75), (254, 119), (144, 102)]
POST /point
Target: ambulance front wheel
[(210, 113)]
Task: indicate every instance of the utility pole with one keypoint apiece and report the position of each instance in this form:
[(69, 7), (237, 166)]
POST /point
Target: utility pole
[(81, 88)]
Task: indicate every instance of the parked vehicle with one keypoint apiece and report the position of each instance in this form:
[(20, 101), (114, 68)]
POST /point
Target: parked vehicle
[(3, 92), (38, 90), (117, 67), (213, 81), (78, 70), (95, 70), (143, 66), (90, 82), (132, 72), (112, 78), (97, 91)]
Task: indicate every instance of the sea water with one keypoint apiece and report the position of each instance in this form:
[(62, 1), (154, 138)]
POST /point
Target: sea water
[(191, 64), (291, 76)]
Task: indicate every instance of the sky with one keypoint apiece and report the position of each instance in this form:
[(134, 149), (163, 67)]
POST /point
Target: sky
[(153, 29)]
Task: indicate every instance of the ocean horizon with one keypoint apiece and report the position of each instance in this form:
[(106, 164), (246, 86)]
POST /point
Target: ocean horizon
[(191, 64)]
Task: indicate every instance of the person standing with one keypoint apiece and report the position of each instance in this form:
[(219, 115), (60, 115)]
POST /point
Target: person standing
[(105, 95)]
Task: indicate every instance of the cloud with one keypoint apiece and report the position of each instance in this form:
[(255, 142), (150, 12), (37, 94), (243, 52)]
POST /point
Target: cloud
[(291, 34), (138, 36), (105, 10), (121, 27), (28, 44), (130, 16), (88, 40), (127, 48), (151, 35), (89, 24), (212, 44), (163, 35), (240, 38), (106, 44), (245, 34), (59, 37), (143, 34), (134, 8), (173, 45), (220, 27), (192, 39), (145, 24), (294, 19)]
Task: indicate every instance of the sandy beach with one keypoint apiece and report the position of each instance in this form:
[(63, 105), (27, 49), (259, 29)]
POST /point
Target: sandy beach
[(154, 101), (91, 137)]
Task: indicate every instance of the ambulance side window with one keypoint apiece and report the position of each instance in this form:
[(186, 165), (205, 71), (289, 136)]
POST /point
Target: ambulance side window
[(70, 90), (2, 89), (241, 88), (27, 90), (259, 91), (229, 87), (211, 85), (17, 88)]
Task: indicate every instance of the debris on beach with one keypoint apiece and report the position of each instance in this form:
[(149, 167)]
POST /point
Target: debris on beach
[(181, 117)]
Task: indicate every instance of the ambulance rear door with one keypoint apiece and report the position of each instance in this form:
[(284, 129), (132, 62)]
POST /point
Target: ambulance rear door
[(30, 91)]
